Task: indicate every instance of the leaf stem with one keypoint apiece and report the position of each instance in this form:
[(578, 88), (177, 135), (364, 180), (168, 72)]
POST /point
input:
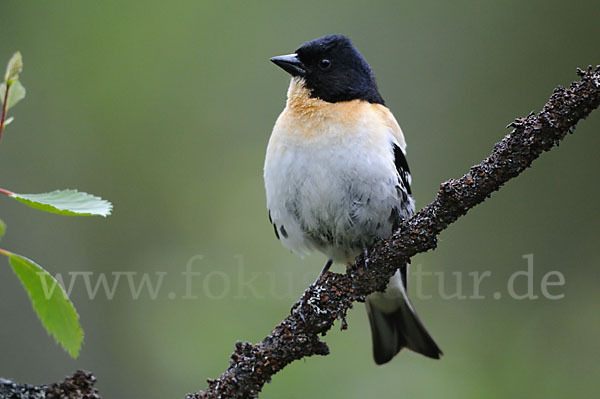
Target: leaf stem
[(4, 105), (3, 191)]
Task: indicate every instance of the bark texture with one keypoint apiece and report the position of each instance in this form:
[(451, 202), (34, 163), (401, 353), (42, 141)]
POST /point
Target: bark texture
[(79, 386)]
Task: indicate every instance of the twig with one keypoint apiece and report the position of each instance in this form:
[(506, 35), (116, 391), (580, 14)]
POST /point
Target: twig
[(251, 366), (78, 386), (4, 108)]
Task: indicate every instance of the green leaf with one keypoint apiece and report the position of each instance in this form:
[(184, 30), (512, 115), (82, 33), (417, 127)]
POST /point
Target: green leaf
[(2, 229), (50, 301), (66, 202), (14, 67), (15, 94)]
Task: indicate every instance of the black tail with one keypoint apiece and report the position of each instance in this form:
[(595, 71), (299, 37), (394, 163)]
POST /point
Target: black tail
[(395, 324)]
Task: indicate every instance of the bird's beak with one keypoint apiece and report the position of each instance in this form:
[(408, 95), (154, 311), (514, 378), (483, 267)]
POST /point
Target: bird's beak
[(291, 64)]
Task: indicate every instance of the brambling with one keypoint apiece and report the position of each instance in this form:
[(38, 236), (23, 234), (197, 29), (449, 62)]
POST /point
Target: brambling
[(337, 179)]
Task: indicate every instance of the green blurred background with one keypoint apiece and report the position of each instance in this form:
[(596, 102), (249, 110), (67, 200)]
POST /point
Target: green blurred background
[(165, 108)]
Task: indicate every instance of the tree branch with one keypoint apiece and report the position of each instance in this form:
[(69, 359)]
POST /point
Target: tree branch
[(251, 366), (78, 386)]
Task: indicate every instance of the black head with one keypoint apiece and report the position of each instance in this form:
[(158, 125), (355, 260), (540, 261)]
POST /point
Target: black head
[(333, 70)]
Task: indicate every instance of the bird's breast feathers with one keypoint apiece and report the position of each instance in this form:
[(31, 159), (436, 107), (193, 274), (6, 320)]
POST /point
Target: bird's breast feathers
[(312, 121), (330, 175)]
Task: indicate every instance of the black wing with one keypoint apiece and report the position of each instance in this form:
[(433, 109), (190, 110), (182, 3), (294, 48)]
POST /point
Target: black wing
[(402, 168), (404, 209)]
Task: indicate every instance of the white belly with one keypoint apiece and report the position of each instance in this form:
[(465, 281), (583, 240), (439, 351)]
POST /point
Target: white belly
[(332, 191)]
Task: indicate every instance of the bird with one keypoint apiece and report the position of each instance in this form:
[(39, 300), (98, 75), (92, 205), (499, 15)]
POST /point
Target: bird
[(337, 179)]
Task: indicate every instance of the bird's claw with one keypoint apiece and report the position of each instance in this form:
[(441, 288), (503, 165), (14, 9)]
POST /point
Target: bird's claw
[(299, 305), (366, 256)]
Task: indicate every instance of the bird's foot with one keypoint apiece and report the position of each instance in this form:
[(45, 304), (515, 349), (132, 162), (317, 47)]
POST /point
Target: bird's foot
[(366, 256), (299, 305)]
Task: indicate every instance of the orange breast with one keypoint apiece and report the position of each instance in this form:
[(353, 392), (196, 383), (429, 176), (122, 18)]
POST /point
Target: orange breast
[(311, 121)]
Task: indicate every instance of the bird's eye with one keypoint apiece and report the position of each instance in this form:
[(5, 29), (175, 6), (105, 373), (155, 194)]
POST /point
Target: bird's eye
[(324, 63)]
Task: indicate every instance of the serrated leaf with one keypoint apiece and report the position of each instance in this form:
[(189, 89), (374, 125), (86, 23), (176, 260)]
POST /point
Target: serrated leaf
[(2, 229), (14, 67), (66, 202), (50, 302), (15, 94)]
